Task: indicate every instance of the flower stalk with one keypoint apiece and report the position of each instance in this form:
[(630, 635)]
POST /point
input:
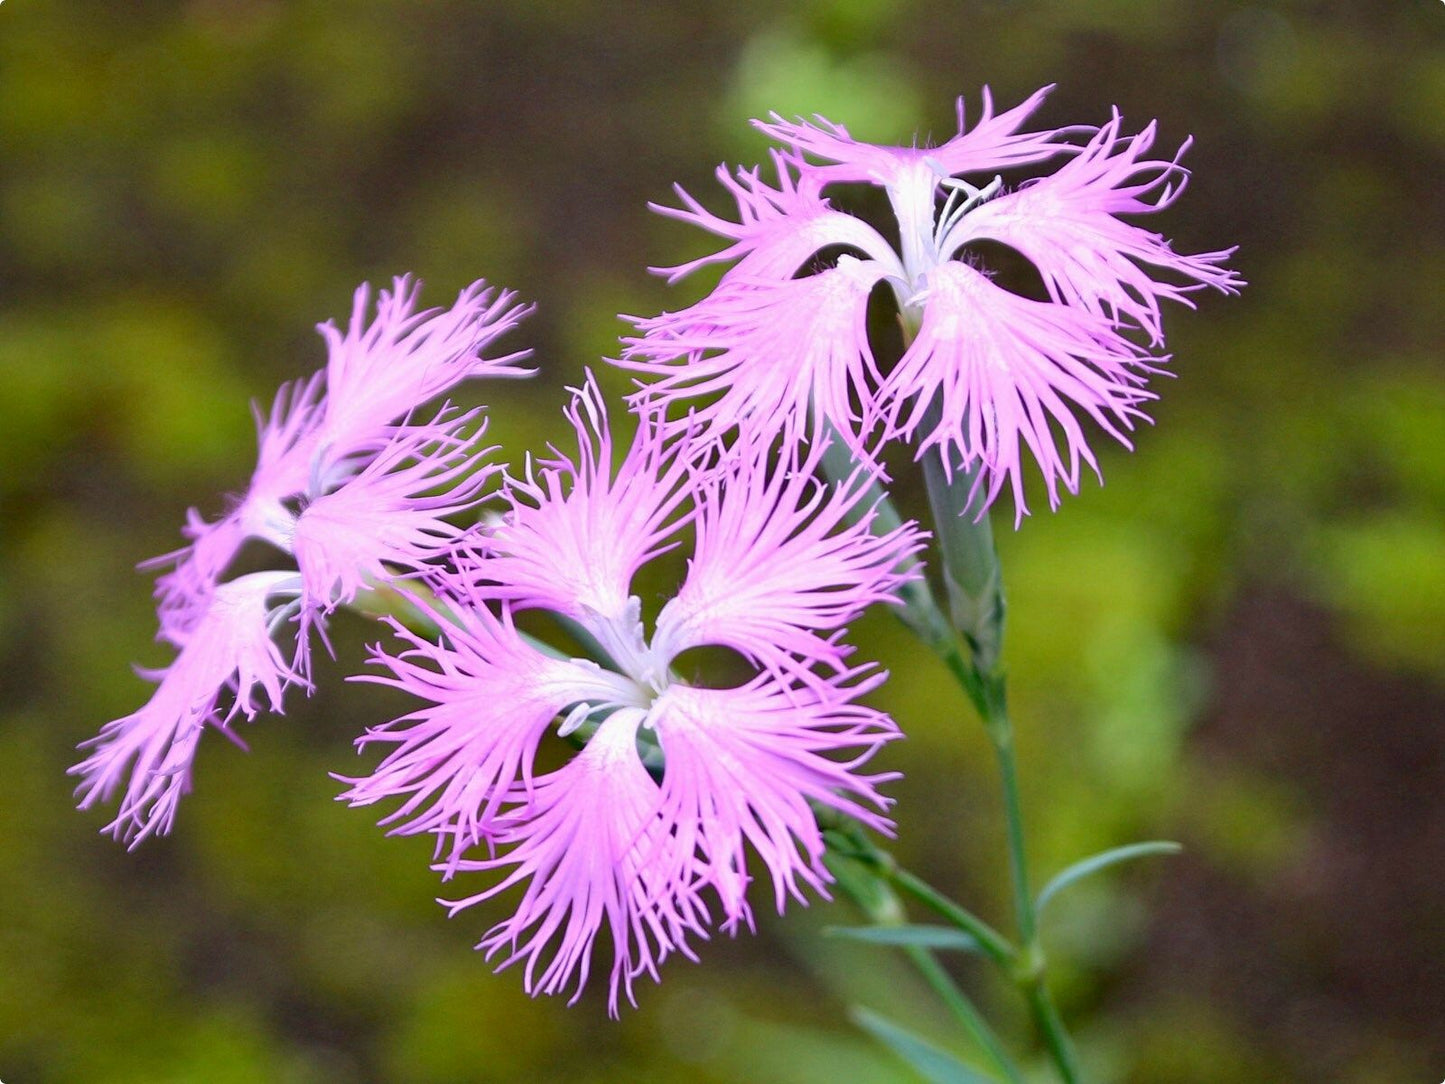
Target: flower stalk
[(970, 571), (969, 639)]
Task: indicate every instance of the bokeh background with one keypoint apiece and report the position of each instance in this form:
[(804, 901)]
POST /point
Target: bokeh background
[(1239, 642)]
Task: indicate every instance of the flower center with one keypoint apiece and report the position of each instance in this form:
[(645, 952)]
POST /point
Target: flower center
[(924, 226), (623, 638)]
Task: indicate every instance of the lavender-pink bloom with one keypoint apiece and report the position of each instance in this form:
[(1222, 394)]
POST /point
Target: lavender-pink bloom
[(325, 428), (599, 841), (769, 343), (353, 498)]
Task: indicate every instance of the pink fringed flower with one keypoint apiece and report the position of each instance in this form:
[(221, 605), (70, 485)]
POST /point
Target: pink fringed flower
[(776, 572), (326, 427), (352, 498), (779, 339)]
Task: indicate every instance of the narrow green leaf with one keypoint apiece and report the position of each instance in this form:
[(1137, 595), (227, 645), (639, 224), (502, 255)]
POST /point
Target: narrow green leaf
[(939, 1066), (1104, 859), (931, 937)]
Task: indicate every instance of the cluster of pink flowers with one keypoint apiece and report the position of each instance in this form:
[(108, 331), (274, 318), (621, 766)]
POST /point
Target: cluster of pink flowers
[(344, 487), (647, 830)]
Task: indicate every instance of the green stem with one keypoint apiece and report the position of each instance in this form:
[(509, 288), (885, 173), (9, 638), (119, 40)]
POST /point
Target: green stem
[(962, 1007), (848, 839), (863, 871), (1001, 733), (1051, 1027), (969, 564), (994, 945), (970, 572)]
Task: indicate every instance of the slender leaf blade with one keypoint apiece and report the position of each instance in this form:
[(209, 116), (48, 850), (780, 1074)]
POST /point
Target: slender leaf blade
[(939, 1066), (1103, 860), (944, 938)]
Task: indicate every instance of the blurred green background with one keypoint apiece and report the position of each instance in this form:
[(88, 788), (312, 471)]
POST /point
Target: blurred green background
[(1239, 642)]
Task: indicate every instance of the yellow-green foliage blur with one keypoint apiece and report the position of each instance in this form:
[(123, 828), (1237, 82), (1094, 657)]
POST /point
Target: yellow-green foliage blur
[(1237, 642)]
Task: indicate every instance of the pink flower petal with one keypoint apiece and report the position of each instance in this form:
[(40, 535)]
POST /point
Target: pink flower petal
[(592, 851), (150, 750), (1065, 224), (1005, 369), (777, 567), (378, 372), (578, 529), (491, 696), (741, 767), (777, 228), (391, 518), (993, 143), (284, 447), (772, 353)]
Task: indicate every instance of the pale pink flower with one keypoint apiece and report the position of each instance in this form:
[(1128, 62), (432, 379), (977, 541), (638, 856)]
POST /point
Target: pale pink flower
[(783, 337), (324, 428), (229, 650), (599, 841), (348, 488)]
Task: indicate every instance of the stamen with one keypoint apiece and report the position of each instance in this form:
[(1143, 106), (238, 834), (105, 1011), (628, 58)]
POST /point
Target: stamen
[(575, 718), (954, 210)]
